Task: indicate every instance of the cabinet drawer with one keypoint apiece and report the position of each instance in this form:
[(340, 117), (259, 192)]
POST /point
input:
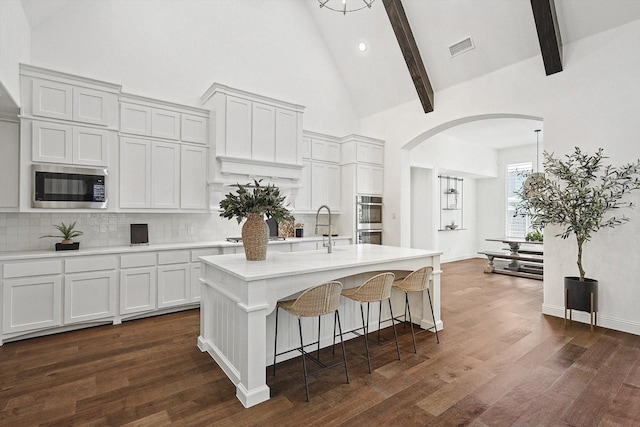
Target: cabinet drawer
[(173, 257), (147, 259), (81, 265), (28, 269)]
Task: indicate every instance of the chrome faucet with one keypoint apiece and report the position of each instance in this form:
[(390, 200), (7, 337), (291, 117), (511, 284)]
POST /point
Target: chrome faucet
[(324, 225)]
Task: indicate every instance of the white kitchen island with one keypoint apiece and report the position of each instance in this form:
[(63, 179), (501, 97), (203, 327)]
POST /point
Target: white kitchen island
[(239, 297)]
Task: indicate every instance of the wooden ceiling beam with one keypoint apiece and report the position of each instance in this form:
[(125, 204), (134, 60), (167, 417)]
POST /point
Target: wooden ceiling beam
[(410, 51), (544, 14)]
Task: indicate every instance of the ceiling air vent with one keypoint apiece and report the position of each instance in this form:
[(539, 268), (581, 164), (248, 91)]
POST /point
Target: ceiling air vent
[(461, 46)]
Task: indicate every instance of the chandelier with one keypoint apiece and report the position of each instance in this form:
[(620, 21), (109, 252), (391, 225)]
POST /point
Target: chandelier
[(345, 6)]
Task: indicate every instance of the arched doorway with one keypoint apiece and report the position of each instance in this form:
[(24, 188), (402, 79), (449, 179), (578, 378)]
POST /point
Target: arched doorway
[(420, 190)]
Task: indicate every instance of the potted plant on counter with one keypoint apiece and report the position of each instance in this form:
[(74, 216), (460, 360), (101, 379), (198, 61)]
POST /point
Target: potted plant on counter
[(67, 234), (254, 202), (576, 194)]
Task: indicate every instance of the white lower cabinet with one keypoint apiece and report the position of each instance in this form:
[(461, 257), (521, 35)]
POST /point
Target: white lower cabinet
[(173, 285), (43, 296), (138, 290), (89, 296), (31, 303), (196, 291)]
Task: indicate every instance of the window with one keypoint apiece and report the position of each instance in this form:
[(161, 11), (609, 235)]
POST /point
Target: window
[(515, 226)]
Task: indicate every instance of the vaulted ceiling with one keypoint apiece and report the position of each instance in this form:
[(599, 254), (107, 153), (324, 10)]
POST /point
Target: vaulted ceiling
[(503, 33)]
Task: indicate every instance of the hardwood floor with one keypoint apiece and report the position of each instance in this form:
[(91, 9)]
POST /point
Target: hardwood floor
[(499, 363)]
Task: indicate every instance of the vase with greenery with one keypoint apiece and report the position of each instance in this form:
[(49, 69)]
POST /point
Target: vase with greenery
[(254, 202), (67, 234), (578, 193)]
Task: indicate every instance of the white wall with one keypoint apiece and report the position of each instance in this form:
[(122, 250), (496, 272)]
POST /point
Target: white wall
[(174, 50), (15, 44), (594, 102), (423, 225), (456, 155)]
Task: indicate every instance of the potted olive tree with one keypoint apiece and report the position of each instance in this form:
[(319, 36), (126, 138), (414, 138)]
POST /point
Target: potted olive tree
[(67, 234), (579, 194), (254, 202)]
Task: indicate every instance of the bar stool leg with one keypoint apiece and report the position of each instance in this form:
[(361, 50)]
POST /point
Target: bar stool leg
[(394, 327), (408, 307), (366, 338), (344, 353), (433, 316), (304, 362), (318, 352), (275, 344)]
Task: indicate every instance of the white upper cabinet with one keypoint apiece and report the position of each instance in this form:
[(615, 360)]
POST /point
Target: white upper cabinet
[(165, 170), (193, 177), (53, 95), (367, 155), (165, 124), (60, 143), (254, 136), (321, 182), (303, 199), (52, 99), (90, 146), (135, 173), (135, 119), (263, 143), (165, 175), (193, 129), (238, 128), (327, 151), (162, 120), (287, 142), (90, 106), (52, 142)]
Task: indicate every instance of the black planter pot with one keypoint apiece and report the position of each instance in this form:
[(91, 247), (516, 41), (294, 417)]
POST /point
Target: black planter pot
[(578, 294), (68, 246)]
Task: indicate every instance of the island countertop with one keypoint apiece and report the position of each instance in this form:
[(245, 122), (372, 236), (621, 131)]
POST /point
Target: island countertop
[(281, 264)]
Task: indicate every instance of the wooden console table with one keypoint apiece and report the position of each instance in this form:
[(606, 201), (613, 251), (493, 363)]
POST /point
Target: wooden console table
[(522, 262)]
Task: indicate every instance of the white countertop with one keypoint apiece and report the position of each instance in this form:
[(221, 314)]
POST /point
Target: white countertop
[(105, 250), (280, 264)]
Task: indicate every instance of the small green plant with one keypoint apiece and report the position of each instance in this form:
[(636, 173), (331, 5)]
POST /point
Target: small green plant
[(67, 233), (534, 236), (452, 225), (452, 191), (255, 198)]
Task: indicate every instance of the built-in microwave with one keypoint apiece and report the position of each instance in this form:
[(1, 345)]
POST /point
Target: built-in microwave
[(65, 187)]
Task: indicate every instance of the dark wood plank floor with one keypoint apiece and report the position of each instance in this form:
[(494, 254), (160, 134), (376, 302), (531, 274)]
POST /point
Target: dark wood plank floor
[(500, 362)]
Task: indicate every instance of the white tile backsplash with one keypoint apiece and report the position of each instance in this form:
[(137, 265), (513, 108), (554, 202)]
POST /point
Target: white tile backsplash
[(22, 231)]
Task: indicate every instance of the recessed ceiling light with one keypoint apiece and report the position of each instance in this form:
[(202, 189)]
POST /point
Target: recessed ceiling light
[(362, 46)]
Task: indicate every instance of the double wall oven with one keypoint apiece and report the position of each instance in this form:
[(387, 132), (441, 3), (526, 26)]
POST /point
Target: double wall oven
[(369, 219)]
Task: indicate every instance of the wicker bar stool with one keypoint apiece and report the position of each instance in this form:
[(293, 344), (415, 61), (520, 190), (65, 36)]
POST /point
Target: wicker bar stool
[(316, 301), (416, 281), (376, 289)]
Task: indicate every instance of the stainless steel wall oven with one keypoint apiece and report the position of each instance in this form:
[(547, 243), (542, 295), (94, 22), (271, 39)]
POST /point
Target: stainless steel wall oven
[(369, 219)]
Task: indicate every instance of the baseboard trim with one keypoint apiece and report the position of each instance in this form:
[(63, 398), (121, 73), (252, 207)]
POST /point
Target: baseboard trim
[(603, 320)]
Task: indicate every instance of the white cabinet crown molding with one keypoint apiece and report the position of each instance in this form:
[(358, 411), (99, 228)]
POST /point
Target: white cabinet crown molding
[(157, 103), (44, 73), (227, 90)]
